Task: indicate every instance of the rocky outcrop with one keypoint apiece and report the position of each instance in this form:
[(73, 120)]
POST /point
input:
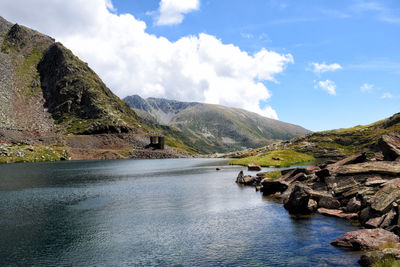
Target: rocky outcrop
[(390, 146), (298, 200), (353, 188), (366, 239)]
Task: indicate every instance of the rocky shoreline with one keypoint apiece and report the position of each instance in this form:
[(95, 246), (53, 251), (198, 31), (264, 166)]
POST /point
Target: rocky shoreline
[(359, 188)]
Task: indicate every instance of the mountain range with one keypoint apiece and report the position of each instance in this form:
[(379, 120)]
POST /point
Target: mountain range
[(214, 128)]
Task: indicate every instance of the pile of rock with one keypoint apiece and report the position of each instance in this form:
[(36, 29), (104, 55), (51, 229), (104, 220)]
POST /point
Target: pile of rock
[(356, 188)]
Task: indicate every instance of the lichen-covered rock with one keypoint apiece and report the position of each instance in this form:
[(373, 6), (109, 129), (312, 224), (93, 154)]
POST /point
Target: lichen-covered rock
[(383, 199), (370, 258), (371, 167), (366, 239)]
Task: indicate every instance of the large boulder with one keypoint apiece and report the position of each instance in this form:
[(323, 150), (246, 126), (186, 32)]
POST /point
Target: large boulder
[(298, 200), (328, 203), (271, 187), (354, 205), (383, 199), (240, 178), (390, 146), (366, 239)]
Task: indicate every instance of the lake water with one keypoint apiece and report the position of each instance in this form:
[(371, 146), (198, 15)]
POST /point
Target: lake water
[(171, 212)]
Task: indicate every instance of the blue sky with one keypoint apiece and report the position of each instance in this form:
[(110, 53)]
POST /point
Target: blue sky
[(317, 63), (362, 36)]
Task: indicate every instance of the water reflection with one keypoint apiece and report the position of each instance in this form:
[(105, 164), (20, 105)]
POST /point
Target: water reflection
[(152, 212)]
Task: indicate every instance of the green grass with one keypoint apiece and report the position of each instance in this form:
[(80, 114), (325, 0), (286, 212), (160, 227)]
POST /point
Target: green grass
[(289, 158), (389, 262), (29, 153)]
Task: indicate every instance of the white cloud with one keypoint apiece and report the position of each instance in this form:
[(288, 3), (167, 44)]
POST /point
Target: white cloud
[(366, 87), (319, 68), (387, 96), (328, 86), (131, 61), (172, 11)]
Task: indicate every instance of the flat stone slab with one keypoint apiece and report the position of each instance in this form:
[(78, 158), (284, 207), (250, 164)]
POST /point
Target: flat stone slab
[(337, 213), (366, 239), (384, 198), (380, 167)]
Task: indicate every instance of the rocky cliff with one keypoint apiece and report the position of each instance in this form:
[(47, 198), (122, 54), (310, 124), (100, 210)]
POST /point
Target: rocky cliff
[(53, 106)]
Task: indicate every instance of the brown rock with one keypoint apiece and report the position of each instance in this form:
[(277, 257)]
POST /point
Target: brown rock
[(337, 213), (323, 173), (372, 167), (357, 158), (253, 167), (270, 187), (341, 184), (249, 180), (389, 219), (298, 200), (312, 205), (374, 222), (366, 239), (353, 205), (383, 199), (390, 146), (372, 181), (239, 178), (328, 203), (312, 169), (366, 214)]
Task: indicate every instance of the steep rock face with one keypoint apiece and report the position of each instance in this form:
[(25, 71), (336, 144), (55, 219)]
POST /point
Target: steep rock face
[(215, 128), (23, 116), (75, 94)]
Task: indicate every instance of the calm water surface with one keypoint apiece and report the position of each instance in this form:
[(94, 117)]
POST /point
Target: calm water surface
[(175, 212)]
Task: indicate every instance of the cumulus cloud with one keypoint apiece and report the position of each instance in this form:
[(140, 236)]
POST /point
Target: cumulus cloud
[(131, 61), (387, 96), (366, 87), (172, 11), (328, 86), (319, 68)]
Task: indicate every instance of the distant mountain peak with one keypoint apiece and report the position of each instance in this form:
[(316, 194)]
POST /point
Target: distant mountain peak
[(215, 128)]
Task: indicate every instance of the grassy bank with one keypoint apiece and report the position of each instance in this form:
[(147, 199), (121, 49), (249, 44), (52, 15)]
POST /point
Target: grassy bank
[(276, 158), (30, 153)]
